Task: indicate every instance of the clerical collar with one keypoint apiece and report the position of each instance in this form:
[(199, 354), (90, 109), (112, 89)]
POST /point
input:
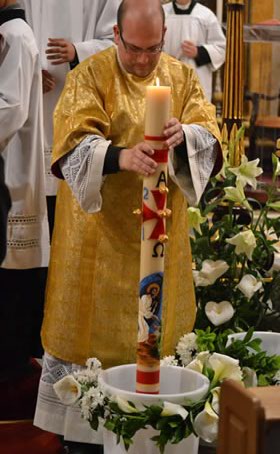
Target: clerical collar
[(13, 12), (184, 11)]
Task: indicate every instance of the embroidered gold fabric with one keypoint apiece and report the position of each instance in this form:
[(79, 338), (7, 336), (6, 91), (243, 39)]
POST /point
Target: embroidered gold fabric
[(92, 294)]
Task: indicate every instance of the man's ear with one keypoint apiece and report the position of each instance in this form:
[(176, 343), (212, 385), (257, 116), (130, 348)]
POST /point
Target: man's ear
[(116, 34)]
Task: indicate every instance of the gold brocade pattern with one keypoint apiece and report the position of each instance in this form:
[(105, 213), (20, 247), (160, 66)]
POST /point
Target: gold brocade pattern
[(96, 278)]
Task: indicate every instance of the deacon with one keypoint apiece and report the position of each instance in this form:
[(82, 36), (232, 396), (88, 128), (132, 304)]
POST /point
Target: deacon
[(194, 36), (99, 153)]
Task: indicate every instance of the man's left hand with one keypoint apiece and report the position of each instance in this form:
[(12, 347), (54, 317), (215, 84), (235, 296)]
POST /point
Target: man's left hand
[(60, 51), (173, 132)]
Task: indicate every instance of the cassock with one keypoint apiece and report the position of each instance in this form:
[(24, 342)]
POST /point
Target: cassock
[(92, 294), (198, 24), (88, 25)]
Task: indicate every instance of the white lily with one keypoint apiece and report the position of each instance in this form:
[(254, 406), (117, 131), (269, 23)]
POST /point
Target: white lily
[(247, 172), (250, 378), (219, 313), (125, 406), (236, 194), (211, 270), (249, 285), (244, 242), (170, 409), (274, 205), (206, 424), (68, 390), (195, 218), (224, 367), (198, 363), (216, 399)]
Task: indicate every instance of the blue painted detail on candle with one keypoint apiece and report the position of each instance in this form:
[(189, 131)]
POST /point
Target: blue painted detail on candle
[(145, 193), (150, 312)]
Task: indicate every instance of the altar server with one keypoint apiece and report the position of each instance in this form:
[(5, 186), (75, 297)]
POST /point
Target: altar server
[(70, 31), (195, 36), (23, 271)]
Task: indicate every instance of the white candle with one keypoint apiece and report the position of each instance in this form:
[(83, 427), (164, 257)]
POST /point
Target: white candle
[(152, 247)]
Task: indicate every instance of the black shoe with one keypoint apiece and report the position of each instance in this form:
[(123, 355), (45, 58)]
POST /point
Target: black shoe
[(72, 447)]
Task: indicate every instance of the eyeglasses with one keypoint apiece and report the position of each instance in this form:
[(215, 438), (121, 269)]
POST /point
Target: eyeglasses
[(138, 50)]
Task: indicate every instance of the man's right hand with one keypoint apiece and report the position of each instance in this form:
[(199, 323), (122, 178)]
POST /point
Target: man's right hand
[(137, 159), (48, 81)]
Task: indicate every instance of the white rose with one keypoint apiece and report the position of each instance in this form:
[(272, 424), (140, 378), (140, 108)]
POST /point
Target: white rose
[(68, 390)]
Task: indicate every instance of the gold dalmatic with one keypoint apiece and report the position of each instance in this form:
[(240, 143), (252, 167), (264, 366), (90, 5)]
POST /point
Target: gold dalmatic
[(92, 293)]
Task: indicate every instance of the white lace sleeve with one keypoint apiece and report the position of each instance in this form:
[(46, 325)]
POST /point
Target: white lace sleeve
[(192, 174), (82, 169)]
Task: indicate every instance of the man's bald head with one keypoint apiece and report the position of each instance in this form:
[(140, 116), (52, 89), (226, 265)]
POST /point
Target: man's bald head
[(144, 11)]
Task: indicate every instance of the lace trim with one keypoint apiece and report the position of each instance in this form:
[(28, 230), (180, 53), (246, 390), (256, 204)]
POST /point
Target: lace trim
[(23, 244), (54, 369), (21, 219)]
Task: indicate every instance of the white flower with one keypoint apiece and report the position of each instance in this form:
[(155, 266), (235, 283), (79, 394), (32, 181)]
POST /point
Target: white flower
[(206, 424), (170, 409), (219, 313), (249, 285), (247, 172), (244, 242), (68, 390), (90, 400), (250, 378), (276, 378), (211, 270), (274, 205), (93, 364), (187, 348), (236, 194), (198, 363), (195, 218), (169, 361), (125, 406), (224, 367), (215, 404)]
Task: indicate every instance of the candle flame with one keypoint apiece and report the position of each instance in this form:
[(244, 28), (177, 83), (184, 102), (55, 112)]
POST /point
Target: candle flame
[(157, 82)]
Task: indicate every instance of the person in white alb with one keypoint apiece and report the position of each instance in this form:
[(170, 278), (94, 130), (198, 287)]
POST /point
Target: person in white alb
[(195, 36), (67, 32), (23, 271)]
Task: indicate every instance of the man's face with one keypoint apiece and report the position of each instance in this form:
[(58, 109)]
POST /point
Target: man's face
[(139, 47)]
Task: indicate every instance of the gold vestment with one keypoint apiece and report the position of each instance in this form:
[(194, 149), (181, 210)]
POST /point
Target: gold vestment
[(92, 293)]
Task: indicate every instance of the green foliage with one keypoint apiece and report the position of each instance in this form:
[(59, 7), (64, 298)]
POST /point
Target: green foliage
[(225, 219)]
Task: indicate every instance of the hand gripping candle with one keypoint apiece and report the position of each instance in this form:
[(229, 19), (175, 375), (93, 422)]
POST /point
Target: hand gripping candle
[(153, 243)]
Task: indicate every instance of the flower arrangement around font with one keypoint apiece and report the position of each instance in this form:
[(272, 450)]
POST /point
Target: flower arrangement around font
[(203, 351), (235, 244)]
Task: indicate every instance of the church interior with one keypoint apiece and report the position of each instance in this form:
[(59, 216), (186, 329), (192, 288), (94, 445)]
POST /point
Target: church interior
[(139, 227)]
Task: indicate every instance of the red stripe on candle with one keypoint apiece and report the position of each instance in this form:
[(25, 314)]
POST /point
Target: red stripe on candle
[(155, 138), (146, 392), (160, 155), (147, 378)]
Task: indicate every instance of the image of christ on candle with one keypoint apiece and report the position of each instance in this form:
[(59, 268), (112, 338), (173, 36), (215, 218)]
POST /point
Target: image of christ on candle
[(149, 316)]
